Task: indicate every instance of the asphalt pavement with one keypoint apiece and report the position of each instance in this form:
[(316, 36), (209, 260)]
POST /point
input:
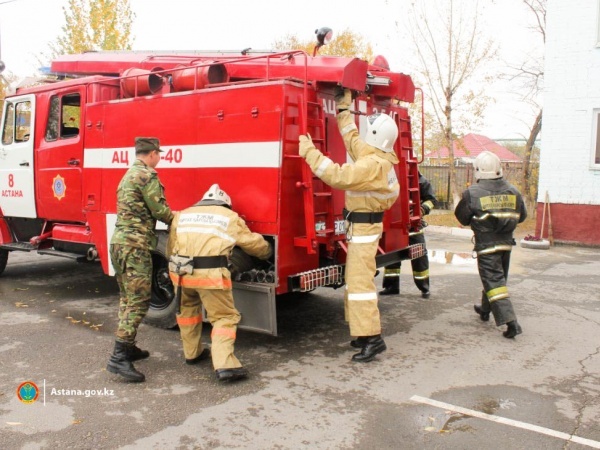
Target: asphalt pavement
[(447, 381)]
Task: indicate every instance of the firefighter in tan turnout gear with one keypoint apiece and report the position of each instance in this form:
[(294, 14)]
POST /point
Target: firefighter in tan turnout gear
[(493, 208), (371, 188), (200, 240)]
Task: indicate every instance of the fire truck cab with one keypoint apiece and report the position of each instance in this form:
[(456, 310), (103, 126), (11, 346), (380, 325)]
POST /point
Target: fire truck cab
[(227, 118)]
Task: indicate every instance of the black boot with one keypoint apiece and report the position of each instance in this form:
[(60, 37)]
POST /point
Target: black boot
[(119, 364), (359, 342), (485, 316), (374, 345), (513, 328), (238, 373), (423, 285), (134, 353), (205, 354), (389, 291)]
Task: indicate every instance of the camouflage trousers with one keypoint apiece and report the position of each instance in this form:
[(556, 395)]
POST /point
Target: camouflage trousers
[(133, 271)]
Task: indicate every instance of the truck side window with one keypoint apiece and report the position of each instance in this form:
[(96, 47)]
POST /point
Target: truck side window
[(9, 118), (70, 115), (23, 122), (53, 118), (63, 117)]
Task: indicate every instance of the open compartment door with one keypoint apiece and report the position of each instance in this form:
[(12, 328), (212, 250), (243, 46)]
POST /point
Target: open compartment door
[(256, 304)]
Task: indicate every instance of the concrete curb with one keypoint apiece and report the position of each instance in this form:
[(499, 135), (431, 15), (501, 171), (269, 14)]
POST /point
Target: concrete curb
[(540, 245), (453, 231)]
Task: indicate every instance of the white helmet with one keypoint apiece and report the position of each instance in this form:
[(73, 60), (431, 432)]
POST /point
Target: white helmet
[(216, 196), (382, 132), (487, 166)]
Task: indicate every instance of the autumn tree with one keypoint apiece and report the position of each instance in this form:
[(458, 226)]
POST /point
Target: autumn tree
[(530, 74), (95, 25), (5, 80), (452, 52), (347, 43)]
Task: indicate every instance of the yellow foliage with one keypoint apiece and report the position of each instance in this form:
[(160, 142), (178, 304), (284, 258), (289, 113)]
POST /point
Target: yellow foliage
[(95, 25), (347, 43)]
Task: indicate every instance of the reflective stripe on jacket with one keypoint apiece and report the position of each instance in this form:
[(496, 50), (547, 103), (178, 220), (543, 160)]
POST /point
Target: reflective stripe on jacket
[(211, 230), (492, 208)]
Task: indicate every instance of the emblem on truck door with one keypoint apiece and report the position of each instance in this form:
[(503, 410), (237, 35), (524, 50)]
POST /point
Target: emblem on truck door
[(58, 186)]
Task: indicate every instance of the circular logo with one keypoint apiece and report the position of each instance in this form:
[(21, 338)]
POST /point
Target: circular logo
[(28, 392), (59, 187)]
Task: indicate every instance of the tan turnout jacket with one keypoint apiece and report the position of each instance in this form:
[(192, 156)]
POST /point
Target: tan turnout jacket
[(211, 230)]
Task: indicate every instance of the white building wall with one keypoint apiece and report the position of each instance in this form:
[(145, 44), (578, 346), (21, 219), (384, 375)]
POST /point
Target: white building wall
[(572, 92)]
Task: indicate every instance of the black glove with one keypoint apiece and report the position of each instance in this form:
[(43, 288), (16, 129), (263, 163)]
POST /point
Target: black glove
[(424, 210)]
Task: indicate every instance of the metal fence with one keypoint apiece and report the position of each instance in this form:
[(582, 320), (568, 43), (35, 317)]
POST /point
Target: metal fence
[(439, 177)]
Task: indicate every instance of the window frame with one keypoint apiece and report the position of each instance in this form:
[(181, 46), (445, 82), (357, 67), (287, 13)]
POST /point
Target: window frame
[(595, 144), (598, 25)]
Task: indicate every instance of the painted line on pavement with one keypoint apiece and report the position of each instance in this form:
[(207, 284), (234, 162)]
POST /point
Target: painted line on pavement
[(505, 421)]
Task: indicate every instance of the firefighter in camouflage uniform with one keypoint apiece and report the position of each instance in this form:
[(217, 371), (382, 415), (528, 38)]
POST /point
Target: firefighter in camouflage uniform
[(371, 188), (493, 208), (140, 203), (200, 240), (420, 266)]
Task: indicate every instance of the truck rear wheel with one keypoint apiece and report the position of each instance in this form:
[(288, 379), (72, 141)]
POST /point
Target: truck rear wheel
[(163, 303), (3, 260)]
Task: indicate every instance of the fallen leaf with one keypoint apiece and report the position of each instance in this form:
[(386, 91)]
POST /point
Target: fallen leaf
[(14, 423), (430, 429), (76, 422)]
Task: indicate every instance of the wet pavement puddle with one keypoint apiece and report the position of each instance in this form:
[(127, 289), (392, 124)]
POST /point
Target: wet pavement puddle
[(452, 258)]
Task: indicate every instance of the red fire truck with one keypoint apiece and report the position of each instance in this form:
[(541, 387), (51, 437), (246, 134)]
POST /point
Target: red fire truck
[(227, 118)]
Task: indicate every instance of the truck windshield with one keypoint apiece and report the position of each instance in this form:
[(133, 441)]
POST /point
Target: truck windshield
[(9, 119), (17, 127)]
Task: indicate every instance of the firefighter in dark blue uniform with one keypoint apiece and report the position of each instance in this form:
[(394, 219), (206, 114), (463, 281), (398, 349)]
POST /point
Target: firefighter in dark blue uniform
[(420, 266), (493, 208)]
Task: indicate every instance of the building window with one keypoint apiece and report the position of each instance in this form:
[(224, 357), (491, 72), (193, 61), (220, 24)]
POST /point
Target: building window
[(596, 140), (598, 26)]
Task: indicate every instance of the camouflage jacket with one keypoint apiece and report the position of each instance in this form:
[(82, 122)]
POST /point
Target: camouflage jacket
[(140, 203)]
